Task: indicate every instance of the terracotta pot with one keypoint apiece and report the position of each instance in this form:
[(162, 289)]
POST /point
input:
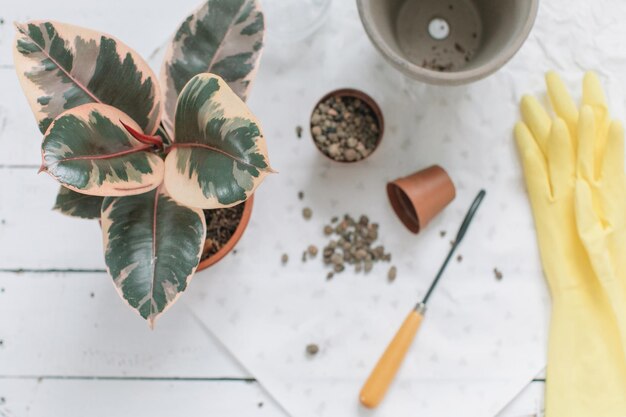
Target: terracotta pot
[(418, 198), (230, 245), (369, 101)]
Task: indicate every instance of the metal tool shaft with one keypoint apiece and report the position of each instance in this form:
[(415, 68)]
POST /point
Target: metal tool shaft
[(459, 237)]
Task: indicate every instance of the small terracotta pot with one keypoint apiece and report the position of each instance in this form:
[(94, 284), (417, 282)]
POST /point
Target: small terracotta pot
[(418, 198), (369, 101), (230, 245)]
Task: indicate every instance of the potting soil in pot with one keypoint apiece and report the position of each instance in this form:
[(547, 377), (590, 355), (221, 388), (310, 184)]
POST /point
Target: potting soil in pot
[(220, 227)]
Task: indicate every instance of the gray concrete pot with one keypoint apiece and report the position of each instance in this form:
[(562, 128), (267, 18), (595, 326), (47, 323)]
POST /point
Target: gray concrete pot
[(448, 42)]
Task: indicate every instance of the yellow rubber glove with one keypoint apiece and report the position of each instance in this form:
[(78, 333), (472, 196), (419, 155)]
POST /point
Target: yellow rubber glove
[(600, 186), (601, 210), (586, 373), (565, 108)]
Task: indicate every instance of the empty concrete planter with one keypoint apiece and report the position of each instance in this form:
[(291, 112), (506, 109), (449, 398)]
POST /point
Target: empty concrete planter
[(448, 41)]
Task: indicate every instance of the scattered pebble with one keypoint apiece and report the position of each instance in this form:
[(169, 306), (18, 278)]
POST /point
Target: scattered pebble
[(92, 295), (284, 259), (345, 128), (260, 404), (312, 349), (330, 275), (307, 213), (351, 242), (312, 250), (391, 275), (300, 195), (299, 131), (459, 258), (497, 274), (442, 233)]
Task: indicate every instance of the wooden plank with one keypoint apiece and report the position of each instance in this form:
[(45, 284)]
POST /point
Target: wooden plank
[(32, 236), (107, 397), (122, 398), (76, 324), (28, 227), (20, 138)]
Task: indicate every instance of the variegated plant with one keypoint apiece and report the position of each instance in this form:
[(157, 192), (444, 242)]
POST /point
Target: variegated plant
[(144, 163)]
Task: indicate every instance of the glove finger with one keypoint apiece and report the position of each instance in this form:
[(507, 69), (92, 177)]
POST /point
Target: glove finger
[(586, 136), (612, 189), (561, 159), (533, 161), (537, 120), (561, 100), (593, 95), (593, 233), (613, 160), (588, 221)]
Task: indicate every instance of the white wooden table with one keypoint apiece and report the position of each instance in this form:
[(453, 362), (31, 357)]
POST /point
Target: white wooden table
[(68, 345)]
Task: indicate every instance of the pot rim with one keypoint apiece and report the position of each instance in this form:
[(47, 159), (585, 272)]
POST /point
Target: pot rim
[(234, 239), (447, 78)]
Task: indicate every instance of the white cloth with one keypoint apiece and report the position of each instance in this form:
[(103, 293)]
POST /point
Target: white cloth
[(482, 339)]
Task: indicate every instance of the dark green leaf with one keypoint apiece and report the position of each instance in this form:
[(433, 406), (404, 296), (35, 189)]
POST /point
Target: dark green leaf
[(62, 66), (223, 37), (76, 204), (88, 150), (219, 156), (152, 248)]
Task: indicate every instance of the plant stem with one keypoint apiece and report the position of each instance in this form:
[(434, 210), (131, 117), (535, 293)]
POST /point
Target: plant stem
[(161, 131)]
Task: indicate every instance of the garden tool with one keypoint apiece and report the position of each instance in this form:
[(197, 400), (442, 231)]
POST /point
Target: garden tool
[(385, 370), (586, 372)]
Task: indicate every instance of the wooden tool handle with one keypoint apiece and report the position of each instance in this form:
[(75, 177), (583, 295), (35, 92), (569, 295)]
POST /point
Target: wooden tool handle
[(379, 380)]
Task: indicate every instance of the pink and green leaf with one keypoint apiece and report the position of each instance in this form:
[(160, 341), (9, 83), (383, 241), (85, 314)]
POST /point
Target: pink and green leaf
[(152, 248), (88, 150), (224, 37), (61, 66), (75, 204), (220, 156)]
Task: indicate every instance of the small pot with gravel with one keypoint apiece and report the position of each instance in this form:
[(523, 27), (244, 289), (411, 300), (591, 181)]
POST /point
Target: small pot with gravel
[(346, 125)]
